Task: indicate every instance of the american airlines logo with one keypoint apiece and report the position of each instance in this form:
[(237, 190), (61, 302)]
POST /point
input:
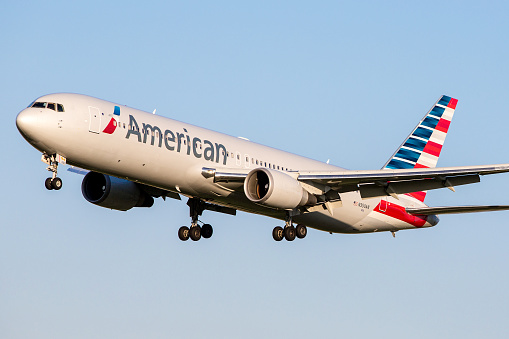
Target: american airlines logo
[(176, 141), (112, 125)]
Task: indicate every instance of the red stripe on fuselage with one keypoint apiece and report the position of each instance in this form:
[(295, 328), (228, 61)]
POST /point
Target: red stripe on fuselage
[(418, 195), (399, 212)]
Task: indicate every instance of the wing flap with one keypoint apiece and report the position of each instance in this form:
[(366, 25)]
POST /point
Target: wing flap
[(403, 187), (455, 209)]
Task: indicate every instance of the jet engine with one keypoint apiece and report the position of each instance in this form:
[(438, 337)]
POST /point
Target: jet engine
[(276, 189), (111, 192)]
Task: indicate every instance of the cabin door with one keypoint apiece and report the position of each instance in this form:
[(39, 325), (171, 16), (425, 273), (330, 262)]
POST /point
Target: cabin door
[(95, 119)]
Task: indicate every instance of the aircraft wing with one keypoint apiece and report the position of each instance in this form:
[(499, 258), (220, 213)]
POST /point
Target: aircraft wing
[(455, 209), (377, 183), (400, 181)]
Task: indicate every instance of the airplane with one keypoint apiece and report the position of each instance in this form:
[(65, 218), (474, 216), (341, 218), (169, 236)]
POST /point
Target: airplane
[(129, 157)]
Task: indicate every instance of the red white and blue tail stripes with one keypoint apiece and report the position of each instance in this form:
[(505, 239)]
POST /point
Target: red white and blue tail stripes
[(423, 146)]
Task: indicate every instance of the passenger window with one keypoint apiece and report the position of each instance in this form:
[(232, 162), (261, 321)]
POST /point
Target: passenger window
[(39, 105), (60, 108), (51, 106)]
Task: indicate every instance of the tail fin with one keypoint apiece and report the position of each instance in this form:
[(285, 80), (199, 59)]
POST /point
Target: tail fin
[(422, 147)]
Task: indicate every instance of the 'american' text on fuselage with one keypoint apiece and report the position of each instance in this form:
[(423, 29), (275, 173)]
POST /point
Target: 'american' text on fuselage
[(173, 141)]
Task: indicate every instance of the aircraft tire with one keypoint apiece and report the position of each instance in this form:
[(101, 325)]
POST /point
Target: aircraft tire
[(56, 183), (184, 233), (206, 231), (278, 233), (301, 231), (290, 233), (195, 233), (47, 184)]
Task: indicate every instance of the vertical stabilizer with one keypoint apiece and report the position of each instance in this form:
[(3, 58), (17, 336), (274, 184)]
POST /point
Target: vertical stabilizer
[(422, 147)]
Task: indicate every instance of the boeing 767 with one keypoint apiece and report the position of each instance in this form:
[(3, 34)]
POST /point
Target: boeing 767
[(131, 157)]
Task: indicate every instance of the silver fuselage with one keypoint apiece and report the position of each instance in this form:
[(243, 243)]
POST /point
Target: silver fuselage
[(168, 154)]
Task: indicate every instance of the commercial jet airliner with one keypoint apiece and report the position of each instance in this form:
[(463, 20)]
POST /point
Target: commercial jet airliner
[(131, 157)]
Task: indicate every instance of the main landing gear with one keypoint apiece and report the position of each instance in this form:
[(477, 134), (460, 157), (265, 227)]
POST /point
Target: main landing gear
[(195, 232), (53, 183), (289, 232)]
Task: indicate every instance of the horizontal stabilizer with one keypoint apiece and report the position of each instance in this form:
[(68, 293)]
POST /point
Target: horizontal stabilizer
[(455, 209)]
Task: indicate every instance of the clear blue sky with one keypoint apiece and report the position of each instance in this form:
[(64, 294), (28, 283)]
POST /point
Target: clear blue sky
[(345, 81)]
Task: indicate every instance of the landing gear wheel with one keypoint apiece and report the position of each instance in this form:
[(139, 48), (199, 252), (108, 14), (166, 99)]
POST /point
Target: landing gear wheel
[(278, 233), (48, 185), (206, 231), (301, 231), (56, 183), (290, 233), (195, 233), (184, 233)]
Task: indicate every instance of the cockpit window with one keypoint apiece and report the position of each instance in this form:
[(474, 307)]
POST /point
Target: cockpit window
[(40, 104), (50, 105)]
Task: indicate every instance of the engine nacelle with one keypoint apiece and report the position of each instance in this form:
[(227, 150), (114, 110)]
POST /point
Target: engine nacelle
[(114, 193), (276, 189)]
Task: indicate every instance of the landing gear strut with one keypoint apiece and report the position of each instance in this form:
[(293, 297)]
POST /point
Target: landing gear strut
[(53, 183), (195, 232), (289, 232)]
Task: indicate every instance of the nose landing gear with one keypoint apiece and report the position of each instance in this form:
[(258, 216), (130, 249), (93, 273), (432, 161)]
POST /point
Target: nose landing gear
[(53, 183)]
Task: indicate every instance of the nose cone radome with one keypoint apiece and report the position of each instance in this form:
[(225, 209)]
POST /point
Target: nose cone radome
[(26, 121)]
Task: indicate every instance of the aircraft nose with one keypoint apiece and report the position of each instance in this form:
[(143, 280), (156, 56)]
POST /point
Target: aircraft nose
[(26, 122)]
